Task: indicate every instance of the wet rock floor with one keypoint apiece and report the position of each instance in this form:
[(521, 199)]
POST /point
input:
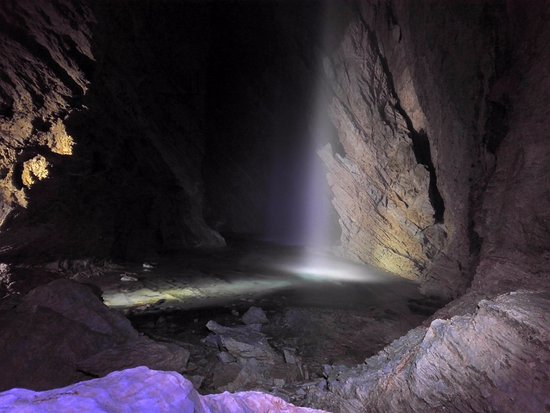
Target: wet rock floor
[(339, 313)]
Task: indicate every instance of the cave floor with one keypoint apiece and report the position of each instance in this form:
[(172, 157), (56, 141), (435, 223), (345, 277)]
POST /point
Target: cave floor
[(322, 309)]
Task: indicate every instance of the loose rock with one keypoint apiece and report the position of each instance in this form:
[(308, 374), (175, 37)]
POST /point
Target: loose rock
[(254, 315)]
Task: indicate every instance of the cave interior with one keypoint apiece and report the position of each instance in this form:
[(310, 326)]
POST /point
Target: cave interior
[(275, 205)]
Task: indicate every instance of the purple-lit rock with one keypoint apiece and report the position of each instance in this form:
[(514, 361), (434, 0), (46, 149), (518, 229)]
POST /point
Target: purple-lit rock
[(254, 315), (141, 390)]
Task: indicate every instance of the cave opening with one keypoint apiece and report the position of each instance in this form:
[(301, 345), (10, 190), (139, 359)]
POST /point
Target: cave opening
[(276, 196)]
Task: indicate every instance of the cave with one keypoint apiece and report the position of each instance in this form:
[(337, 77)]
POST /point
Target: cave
[(274, 206)]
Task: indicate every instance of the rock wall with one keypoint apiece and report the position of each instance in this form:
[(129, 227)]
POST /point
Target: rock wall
[(114, 129), (419, 127), (488, 349), (381, 189), (514, 219), (45, 52)]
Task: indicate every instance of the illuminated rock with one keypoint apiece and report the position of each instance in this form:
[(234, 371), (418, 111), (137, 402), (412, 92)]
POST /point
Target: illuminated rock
[(36, 88), (381, 185), (414, 124), (58, 140), (493, 360), (35, 169), (141, 390)]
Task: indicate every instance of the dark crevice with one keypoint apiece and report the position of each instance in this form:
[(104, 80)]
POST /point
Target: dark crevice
[(475, 240), (422, 152), (390, 15), (41, 125), (336, 145), (6, 110), (419, 139), (497, 126)]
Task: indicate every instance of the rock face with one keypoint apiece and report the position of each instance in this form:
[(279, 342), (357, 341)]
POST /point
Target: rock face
[(141, 390), (513, 219), (86, 150), (61, 332), (412, 107), (503, 351), (440, 175), (487, 350), (45, 52), (381, 189)]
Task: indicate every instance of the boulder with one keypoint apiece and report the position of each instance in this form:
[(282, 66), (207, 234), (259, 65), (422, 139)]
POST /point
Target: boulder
[(61, 333), (255, 315), (244, 342), (141, 390)]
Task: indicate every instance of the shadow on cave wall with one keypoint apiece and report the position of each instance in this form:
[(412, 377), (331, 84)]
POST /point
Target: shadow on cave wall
[(191, 108)]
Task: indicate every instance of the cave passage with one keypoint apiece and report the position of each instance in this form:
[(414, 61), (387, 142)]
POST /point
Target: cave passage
[(222, 203)]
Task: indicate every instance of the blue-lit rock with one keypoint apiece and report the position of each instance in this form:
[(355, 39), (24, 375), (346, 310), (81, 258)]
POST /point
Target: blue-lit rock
[(140, 390)]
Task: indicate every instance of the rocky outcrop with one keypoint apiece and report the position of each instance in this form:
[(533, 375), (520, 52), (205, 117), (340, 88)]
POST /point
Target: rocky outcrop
[(45, 52), (514, 219), (412, 113), (381, 189), (88, 151), (244, 341), (142, 390), (488, 349), (492, 360), (61, 332)]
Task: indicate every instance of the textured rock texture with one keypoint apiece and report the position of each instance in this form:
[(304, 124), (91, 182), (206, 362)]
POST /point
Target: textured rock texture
[(45, 50), (487, 350), (61, 332), (514, 218), (412, 107), (380, 188), (440, 174), (142, 390), (108, 162), (493, 360), (244, 341)]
